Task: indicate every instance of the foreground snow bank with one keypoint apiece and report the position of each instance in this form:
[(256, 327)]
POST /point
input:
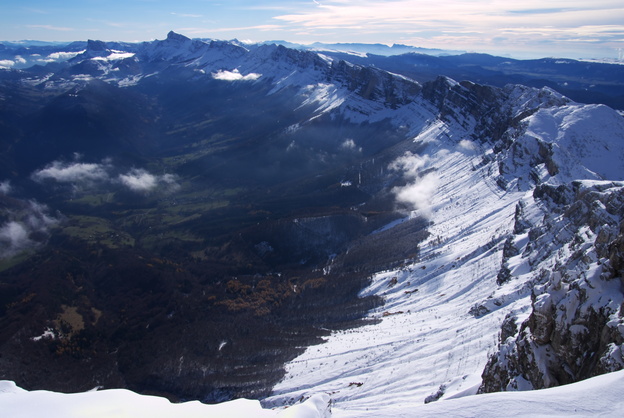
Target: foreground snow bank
[(600, 395), (16, 402)]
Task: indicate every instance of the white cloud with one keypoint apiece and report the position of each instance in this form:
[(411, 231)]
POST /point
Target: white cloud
[(88, 175), (37, 217), (470, 25), (170, 182), (454, 14), (235, 76), (467, 145), (60, 56), (5, 187), (418, 194), (6, 64), (422, 185), (13, 237), (138, 180), (141, 181), (116, 55), (409, 164), (24, 228), (72, 172), (349, 144)]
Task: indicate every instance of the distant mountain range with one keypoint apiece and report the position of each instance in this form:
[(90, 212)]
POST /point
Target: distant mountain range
[(583, 81), (209, 220)]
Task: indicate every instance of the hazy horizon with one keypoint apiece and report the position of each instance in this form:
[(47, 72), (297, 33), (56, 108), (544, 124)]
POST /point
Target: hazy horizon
[(569, 29)]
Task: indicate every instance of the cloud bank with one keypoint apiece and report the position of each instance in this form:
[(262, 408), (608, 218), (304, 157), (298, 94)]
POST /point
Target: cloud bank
[(6, 64)]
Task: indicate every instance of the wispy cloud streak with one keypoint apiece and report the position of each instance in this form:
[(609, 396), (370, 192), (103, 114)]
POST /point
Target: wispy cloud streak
[(51, 27), (469, 24)]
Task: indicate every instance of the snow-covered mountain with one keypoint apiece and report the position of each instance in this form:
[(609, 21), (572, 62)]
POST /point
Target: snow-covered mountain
[(522, 263), (487, 220)]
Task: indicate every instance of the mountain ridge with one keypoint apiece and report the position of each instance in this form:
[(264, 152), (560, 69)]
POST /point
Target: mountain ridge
[(584, 81)]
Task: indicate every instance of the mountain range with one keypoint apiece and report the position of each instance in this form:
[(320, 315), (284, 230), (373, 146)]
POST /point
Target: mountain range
[(211, 220)]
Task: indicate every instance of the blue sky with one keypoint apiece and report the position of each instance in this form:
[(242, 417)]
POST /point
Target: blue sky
[(531, 28)]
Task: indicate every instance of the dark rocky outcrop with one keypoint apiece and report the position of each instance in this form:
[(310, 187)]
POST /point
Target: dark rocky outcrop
[(576, 327)]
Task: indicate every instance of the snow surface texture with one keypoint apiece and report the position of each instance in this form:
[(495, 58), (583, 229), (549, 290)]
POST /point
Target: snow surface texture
[(599, 396), (442, 314)]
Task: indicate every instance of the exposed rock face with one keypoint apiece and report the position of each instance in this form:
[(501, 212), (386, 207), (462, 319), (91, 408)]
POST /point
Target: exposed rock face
[(373, 84), (575, 329), (470, 105)]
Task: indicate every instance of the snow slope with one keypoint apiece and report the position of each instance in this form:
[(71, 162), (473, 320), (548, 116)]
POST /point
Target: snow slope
[(442, 314), (427, 336), (599, 396)]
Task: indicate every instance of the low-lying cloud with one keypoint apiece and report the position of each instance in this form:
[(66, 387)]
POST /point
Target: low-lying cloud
[(409, 164), (6, 64), (235, 75), (350, 145), (23, 228), (138, 180), (73, 172), (86, 176), (417, 195), (422, 184), (5, 187), (141, 181), (467, 145)]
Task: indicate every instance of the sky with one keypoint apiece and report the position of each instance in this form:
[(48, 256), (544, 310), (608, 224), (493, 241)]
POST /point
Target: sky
[(531, 28)]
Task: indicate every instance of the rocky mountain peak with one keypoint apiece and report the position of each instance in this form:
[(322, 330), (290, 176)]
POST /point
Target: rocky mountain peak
[(95, 49), (96, 46), (173, 36)]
